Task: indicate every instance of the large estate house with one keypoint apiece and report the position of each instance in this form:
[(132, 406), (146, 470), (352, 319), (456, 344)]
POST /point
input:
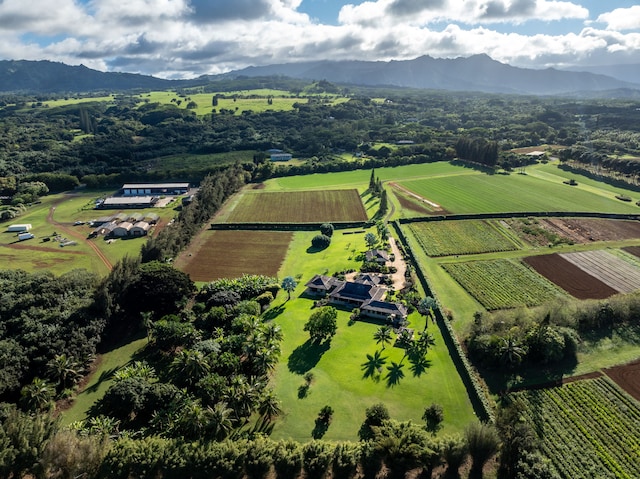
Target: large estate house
[(364, 293)]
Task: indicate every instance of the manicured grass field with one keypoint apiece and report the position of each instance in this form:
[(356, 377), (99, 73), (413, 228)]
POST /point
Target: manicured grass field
[(299, 207), (588, 428), (481, 193), (502, 283), (230, 254), (444, 238), (338, 374)]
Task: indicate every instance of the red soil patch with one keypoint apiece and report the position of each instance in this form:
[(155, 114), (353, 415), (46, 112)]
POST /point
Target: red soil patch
[(627, 377), (569, 277), (587, 230), (230, 254), (634, 250)]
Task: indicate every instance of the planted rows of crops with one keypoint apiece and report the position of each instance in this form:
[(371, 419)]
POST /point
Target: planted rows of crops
[(588, 428), (299, 207), (444, 238), (611, 270), (502, 283)]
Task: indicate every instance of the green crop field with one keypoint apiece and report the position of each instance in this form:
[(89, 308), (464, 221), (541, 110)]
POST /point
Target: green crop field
[(299, 207), (338, 370), (502, 283), (444, 238), (588, 428), (482, 193)]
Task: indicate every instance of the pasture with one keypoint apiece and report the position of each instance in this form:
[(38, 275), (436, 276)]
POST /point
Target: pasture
[(230, 254), (445, 238), (502, 283), (193, 162), (339, 368), (298, 207), (588, 428)]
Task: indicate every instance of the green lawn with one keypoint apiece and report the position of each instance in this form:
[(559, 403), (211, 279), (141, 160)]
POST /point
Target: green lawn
[(338, 370), (199, 162), (100, 381)]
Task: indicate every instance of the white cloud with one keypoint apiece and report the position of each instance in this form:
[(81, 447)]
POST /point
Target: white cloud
[(422, 12), (622, 18), (40, 18)]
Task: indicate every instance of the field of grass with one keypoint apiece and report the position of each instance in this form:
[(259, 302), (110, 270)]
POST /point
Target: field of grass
[(444, 238), (198, 162), (299, 207), (481, 193), (109, 363), (338, 374), (502, 283), (230, 254), (588, 428)]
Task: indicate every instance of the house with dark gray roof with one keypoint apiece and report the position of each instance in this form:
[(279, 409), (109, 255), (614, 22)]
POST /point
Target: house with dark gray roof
[(377, 255), (364, 293)]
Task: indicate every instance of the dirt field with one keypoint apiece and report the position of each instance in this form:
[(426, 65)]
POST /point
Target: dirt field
[(574, 230), (611, 270), (569, 277), (627, 377), (634, 250), (299, 207), (230, 254)]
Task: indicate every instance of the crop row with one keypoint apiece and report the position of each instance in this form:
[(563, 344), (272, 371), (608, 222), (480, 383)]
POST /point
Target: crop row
[(444, 238), (588, 428), (501, 284)]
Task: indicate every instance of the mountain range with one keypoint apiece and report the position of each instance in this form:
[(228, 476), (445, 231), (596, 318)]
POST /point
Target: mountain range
[(476, 73)]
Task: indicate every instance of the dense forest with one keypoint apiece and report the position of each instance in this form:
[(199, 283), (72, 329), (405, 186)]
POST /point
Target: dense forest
[(199, 399)]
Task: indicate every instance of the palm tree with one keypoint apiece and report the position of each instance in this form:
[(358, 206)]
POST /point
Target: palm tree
[(37, 396), (425, 341), (189, 366), (383, 336), (426, 306), (395, 373), (289, 285), (221, 422), (272, 333), (510, 352), (482, 443), (269, 406), (63, 369)]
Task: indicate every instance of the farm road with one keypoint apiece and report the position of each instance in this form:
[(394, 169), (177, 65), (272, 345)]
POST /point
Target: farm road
[(76, 235)]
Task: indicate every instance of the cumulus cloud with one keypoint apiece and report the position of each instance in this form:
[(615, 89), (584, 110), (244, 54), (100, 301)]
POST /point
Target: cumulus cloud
[(186, 38), (622, 18), (381, 12)]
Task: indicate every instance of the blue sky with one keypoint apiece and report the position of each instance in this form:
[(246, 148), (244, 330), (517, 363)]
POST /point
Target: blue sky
[(186, 38)]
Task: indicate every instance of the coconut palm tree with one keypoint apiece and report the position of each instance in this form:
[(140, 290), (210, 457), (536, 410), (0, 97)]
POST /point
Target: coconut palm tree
[(511, 353), (373, 366), (63, 369), (37, 396), (269, 406), (383, 336), (189, 366)]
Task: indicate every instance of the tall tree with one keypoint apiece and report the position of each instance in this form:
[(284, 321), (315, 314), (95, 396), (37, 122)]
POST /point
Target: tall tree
[(289, 285), (383, 336), (322, 324)]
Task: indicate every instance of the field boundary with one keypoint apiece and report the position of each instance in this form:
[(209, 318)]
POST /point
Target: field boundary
[(522, 214), (479, 399), (288, 226)]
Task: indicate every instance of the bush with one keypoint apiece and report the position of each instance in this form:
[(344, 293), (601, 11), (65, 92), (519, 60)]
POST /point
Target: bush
[(320, 241), (326, 229)]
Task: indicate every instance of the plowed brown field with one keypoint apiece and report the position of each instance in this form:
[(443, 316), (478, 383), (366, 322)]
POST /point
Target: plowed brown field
[(627, 377), (230, 254), (569, 277), (299, 207)]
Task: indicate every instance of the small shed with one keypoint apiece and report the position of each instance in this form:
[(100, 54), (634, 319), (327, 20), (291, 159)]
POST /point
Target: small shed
[(141, 228), (122, 229)]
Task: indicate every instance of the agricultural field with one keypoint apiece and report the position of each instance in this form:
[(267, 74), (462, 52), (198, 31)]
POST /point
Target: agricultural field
[(611, 270), (502, 283), (299, 207), (230, 254), (588, 428), (482, 193), (460, 237), (575, 281)]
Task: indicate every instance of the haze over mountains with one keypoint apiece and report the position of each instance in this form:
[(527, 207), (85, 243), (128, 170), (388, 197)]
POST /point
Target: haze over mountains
[(475, 73)]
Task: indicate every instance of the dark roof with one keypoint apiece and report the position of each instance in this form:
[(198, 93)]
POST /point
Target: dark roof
[(320, 281), (357, 292), (367, 278), (375, 254), (397, 309)]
